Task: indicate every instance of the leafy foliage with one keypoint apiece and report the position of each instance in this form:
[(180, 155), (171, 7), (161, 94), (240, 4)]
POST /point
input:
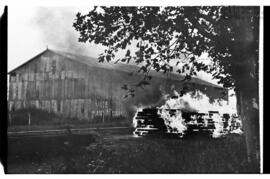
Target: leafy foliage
[(166, 37)]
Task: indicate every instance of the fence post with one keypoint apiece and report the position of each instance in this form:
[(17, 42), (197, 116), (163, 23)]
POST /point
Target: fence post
[(29, 119), (10, 119)]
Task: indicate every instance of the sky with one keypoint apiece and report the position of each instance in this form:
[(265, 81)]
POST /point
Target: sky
[(32, 29)]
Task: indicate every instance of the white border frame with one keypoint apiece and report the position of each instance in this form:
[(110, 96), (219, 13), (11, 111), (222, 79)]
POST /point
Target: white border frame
[(261, 3)]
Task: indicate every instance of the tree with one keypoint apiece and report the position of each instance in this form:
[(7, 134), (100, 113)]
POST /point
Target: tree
[(173, 38)]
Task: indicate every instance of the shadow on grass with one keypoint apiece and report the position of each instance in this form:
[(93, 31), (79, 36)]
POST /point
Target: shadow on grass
[(100, 154)]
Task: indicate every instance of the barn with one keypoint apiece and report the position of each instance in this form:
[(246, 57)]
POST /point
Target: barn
[(78, 86)]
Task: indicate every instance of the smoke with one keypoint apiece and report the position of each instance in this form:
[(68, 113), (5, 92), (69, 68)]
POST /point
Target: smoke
[(177, 102), (150, 97), (202, 104), (55, 27)]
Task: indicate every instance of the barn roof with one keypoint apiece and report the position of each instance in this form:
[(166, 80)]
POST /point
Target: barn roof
[(93, 62)]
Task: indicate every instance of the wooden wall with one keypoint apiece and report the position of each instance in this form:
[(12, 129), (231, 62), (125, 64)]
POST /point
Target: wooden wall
[(54, 83)]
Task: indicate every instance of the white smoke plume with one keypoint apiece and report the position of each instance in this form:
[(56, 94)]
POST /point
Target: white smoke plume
[(54, 25), (202, 105)]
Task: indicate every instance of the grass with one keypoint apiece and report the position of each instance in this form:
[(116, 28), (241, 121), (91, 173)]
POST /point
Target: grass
[(107, 153)]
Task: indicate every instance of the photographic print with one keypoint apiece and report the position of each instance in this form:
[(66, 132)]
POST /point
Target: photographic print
[(133, 89)]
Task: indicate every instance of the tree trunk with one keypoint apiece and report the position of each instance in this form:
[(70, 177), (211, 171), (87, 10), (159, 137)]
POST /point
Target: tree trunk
[(249, 114)]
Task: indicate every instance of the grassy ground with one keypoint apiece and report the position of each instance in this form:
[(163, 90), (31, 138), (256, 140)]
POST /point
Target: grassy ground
[(122, 153)]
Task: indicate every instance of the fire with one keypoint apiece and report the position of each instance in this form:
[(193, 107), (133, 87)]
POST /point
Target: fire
[(219, 127), (207, 113), (175, 123), (135, 121)]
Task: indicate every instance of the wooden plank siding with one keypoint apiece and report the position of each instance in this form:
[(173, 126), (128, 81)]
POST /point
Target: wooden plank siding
[(57, 84)]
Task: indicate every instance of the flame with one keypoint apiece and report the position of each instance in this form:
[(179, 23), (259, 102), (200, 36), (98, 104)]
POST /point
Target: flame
[(219, 127), (174, 123), (235, 125), (171, 113), (135, 121)]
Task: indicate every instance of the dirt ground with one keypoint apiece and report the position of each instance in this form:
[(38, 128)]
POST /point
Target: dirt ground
[(120, 152)]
